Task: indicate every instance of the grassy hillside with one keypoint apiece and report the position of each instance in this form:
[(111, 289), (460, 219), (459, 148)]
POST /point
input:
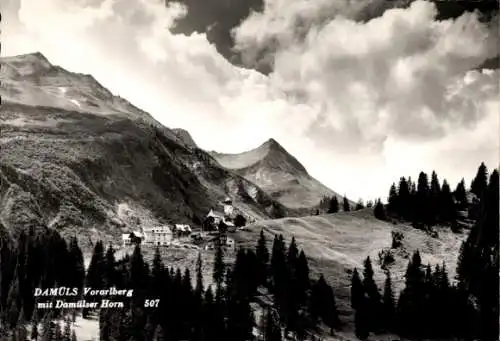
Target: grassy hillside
[(336, 243)]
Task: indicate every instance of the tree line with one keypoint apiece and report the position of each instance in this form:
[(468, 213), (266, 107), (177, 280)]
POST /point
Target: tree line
[(428, 202), (38, 258), (431, 305), (187, 310), (331, 204)]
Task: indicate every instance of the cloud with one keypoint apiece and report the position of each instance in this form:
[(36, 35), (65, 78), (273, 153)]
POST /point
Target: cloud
[(389, 75), (357, 103)]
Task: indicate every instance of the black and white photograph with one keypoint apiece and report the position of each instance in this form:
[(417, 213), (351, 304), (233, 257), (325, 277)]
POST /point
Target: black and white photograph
[(249, 170)]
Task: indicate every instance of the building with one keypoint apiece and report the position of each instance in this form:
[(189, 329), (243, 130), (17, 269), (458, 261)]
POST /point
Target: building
[(228, 207), (182, 229), (230, 243), (216, 217), (126, 240), (134, 237), (158, 235)]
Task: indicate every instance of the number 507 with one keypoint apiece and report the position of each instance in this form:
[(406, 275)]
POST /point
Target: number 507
[(151, 303)]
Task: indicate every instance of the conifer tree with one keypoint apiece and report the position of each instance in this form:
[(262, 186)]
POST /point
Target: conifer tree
[(110, 264), (327, 309), (262, 254), (478, 263), (95, 277), (411, 303), (213, 317), (333, 206), (434, 199), (272, 329), (278, 262), (422, 208), (392, 201), (379, 210), (292, 256), (389, 303), (357, 290), (240, 319), (447, 204), (404, 195), (219, 267), (480, 182), (359, 205), (303, 280), (187, 295), (14, 303), (139, 276), (77, 268), (157, 273), (34, 330), (346, 206), (361, 327), (460, 195), (96, 268), (199, 277), (373, 296), (279, 274)]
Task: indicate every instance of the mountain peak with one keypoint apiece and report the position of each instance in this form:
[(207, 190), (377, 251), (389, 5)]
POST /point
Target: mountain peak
[(271, 167), (35, 57), (273, 145), (38, 55), (272, 141)]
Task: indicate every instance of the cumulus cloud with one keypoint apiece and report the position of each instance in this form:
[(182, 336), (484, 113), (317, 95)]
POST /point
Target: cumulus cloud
[(358, 103), (389, 75)]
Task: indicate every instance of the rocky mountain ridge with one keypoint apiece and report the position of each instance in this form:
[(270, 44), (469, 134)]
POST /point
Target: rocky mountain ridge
[(79, 159)]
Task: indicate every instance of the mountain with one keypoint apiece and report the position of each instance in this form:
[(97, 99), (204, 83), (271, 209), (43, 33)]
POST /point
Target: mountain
[(278, 173), (77, 158)]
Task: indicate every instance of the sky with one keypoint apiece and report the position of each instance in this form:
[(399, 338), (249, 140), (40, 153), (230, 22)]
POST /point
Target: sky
[(358, 104)]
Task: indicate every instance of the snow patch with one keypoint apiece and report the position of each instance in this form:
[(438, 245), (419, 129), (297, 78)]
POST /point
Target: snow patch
[(252, 191), (75, 102), (63, 90)]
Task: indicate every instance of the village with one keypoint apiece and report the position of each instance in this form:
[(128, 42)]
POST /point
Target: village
[(215, 226)]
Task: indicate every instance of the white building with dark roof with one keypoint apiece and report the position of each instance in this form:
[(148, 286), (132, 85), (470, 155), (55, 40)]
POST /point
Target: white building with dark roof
[(158, 235)]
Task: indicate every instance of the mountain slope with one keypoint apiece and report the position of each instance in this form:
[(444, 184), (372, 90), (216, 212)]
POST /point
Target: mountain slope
[(278, 173), (77, 158)]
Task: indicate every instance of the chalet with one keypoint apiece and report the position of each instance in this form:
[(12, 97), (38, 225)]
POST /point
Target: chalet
[(216, 217), (227, 243), (131, 238), (158, 235), (182, 229)]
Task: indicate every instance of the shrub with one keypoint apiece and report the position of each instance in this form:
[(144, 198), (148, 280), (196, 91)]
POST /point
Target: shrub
[(386, 257), (397, 239), (240, 221)]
